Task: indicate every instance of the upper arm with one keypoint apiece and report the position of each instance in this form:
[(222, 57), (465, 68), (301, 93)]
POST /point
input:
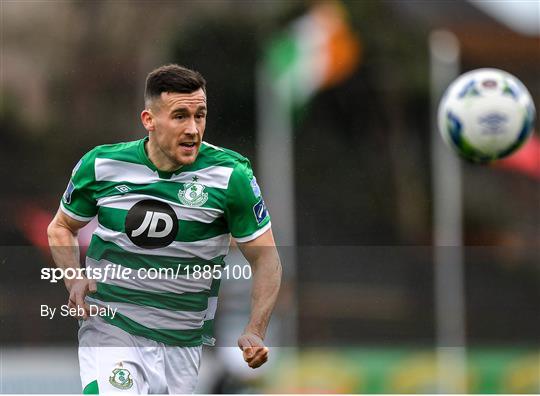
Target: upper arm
[(246, 213), (62, 221), (78, 204), (263, 246), (78, 201)]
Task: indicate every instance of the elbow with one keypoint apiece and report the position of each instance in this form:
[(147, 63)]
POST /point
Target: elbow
[(279, 269), (57, 231), (52, 231)]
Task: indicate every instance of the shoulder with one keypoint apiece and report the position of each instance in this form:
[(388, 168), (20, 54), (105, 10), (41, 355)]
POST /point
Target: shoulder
[(115, 150), (123, 151), (241, 181), (211, 155)]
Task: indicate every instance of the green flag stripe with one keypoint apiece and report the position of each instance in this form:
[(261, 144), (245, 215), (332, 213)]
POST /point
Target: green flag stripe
[(100, 249), (195, 302), (188, 231), (169, 337), (282, 54)]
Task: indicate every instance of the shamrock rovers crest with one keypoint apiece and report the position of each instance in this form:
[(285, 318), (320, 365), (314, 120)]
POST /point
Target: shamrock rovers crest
[(121, 378), (193, 193)]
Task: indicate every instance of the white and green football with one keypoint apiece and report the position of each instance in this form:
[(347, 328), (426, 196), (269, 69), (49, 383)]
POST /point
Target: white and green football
[(486, 114)]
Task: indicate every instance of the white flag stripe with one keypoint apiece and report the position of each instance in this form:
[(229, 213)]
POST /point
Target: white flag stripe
[(183, 212), (155, 318), (212, 307), (139, 280), (107, 169), (205, 249)]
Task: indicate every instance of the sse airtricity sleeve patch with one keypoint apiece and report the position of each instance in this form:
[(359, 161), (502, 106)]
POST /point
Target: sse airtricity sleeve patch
[(246, 212), (78, 200)]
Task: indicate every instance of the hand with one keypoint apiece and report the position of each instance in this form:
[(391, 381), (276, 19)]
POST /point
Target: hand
[(254, 351), (78, 289)]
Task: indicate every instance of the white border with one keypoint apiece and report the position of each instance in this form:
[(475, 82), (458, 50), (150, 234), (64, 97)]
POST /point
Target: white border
[(255, 235), (73, 215)]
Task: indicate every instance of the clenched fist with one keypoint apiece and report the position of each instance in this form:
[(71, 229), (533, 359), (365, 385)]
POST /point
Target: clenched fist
[(253, 348)]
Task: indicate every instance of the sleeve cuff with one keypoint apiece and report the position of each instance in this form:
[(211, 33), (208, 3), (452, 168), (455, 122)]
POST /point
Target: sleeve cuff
[(255, 235), (73, 215)]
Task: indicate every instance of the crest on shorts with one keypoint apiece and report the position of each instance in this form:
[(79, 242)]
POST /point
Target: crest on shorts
[(193, 193), (121, 378)]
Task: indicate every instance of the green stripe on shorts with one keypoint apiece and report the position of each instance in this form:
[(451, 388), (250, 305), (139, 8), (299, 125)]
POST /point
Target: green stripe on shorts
[(91, 389)]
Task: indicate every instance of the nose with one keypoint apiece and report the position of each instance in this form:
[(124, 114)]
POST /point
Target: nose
[(191, 127)]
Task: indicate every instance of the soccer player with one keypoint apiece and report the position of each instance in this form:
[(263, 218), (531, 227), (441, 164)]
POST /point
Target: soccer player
[(172, 202)]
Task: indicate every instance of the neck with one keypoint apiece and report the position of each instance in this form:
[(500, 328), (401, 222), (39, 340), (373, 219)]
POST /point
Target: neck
[(158, 157)]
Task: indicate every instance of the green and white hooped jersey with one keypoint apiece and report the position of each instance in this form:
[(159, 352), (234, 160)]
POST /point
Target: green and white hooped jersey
[(150, 219)]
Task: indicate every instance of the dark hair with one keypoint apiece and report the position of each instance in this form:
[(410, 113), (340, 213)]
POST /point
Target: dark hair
[(172, 78)]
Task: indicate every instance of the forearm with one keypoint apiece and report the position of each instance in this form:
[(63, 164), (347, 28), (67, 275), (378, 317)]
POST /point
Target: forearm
[(64, 248), (265, 289)]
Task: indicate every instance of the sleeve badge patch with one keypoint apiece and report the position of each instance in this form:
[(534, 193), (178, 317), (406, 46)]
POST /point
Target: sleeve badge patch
[(255, 187), (260, 211), (76, 168), (68, 192)]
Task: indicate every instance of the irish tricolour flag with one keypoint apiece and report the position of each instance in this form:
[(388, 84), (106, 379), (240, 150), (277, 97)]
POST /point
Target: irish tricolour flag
[(316, 51)]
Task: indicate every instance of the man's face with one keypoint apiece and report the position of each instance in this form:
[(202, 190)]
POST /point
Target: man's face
[(177, 124)]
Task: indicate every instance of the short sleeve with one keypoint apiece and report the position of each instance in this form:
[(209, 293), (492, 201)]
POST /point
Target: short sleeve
[(78, 200), (246, 212)]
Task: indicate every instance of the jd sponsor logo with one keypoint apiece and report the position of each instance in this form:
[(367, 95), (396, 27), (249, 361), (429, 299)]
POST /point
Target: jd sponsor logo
[(151, 224)]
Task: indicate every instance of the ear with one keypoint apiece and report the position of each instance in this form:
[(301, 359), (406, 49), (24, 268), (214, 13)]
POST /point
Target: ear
[(147, 120)]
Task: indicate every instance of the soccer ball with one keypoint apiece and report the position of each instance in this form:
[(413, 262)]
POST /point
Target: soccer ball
[(486, 114)]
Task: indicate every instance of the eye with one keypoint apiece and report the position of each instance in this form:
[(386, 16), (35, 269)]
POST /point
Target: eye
[(179, 117)]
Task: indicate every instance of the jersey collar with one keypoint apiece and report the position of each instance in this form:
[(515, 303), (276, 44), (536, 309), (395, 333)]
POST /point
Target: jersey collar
[(145, 160)]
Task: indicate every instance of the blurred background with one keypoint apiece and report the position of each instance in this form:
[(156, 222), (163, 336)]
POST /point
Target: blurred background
[(333, 102)]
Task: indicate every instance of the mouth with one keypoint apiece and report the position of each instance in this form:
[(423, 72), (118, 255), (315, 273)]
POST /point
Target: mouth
[(188, 147)]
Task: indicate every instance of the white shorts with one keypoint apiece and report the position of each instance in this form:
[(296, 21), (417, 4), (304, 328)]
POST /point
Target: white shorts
[(119, 362)]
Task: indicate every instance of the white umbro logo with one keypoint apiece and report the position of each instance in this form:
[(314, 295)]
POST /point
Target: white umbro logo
[(123, 188)]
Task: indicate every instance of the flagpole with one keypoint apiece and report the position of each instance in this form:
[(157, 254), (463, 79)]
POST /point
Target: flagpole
[(275, 170), (447, 228), (297, 64)]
